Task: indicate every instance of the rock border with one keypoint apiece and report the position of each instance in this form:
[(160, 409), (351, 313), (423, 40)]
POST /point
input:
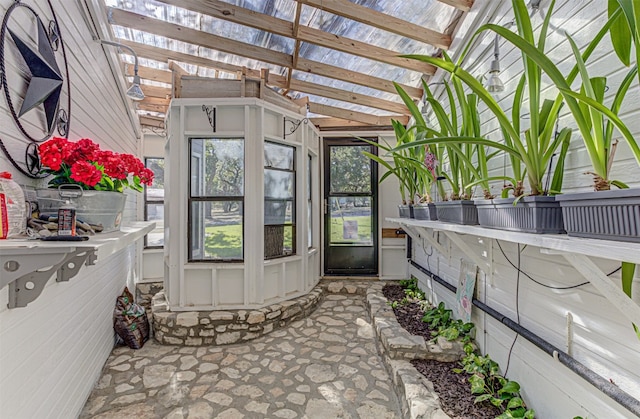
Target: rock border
[(396, 346), (225, 327)]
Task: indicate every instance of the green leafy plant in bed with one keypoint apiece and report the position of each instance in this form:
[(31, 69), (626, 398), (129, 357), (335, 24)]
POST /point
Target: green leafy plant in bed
[(488, 385), (413, 294), (441, 322)]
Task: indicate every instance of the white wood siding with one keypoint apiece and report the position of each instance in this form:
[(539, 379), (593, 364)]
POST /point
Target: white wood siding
[(602, 338), (52, 351)]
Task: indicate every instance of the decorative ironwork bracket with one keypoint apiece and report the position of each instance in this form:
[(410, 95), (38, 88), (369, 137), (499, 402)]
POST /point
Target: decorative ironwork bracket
[(294, 125), (25, 275), (211, 115)]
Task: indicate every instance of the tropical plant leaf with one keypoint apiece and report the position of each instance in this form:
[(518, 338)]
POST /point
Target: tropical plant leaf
[(620, 32)]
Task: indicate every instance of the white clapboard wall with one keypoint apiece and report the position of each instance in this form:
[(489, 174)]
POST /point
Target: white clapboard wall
[(52, 351), (579, 321)]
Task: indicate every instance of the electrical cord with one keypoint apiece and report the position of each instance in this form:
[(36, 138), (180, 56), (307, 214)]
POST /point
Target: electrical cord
[(506, 370), (538, 282)]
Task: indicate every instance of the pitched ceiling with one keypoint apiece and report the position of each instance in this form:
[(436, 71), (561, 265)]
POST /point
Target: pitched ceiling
[(343, 55)]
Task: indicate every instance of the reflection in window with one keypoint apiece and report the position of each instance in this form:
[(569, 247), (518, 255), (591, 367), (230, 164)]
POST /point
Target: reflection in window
[(309, 209), (351, 220), (154, 203), (216, 199), (279, 200), (350, 169)]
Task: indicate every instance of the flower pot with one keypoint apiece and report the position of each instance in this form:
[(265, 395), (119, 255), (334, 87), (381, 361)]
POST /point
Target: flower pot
[(98, 208), (532, 214), (611, 215), (404, 211), (457, 212), (425, 212)]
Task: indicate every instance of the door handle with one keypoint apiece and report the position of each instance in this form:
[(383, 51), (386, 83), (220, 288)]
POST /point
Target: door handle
[(326, 206)]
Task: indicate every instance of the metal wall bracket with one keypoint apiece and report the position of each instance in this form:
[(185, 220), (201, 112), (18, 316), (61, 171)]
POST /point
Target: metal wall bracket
[(26, 275)]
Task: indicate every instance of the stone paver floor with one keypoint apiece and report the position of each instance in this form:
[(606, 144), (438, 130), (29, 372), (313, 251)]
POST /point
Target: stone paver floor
[(324, 366)]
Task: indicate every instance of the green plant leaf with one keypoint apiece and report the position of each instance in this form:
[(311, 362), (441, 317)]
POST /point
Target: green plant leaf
[(496, 401), (482, 398), (477, 384), (620, 35), (515, 402), (510, 387)]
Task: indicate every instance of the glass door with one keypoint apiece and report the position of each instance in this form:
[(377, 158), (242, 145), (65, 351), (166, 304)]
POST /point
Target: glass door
[(350, 208)]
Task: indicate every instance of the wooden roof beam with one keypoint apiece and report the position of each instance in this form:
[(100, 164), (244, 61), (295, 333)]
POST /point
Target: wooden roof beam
[(166, 55), (150, 121), (283, 27), (464, 5), (149, 73), (347, 114), (381, 20), (182, 33), (350, 97)]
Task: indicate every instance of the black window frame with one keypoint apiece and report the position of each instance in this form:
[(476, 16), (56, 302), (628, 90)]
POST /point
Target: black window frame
[(293, 201), (208, 198), (148, 202)]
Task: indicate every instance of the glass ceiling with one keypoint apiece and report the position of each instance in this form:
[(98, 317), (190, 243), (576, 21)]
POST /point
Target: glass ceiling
[(430, 14)]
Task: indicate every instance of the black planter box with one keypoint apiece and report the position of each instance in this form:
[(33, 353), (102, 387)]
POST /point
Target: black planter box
[(457, 212), (532, 214), (609, 215), (425, 212)]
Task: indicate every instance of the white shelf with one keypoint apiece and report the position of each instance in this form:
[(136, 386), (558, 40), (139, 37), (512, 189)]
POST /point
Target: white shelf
[(23, 262), (606, 249), (577, 251)]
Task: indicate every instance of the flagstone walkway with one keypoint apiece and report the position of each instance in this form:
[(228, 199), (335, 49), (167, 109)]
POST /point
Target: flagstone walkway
[(324, 366)]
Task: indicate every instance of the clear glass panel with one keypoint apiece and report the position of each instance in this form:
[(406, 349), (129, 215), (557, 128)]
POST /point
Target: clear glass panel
[(351, 220), (216, 230), (309, 227), (156, 191), (217, 167), (278, 184), (278, 156), (155, 212), (350, 169), (279, 241), (278, 212)]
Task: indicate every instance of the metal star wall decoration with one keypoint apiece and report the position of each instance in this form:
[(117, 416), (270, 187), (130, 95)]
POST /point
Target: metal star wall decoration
[(46, 81)]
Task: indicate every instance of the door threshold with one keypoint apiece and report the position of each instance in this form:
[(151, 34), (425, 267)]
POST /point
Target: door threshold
[(349, 277)]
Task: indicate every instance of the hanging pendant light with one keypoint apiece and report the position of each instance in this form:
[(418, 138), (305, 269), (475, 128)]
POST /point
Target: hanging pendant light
[(494, 83)]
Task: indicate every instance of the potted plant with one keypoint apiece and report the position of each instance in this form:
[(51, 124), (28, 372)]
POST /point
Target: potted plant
[(530, 154), (101, 174)]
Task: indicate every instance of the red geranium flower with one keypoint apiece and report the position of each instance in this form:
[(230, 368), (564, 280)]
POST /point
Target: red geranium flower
[(85, 172), (83, 163)]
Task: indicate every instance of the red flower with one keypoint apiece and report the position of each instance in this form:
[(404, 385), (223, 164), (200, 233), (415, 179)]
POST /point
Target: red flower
[(83, 162), (85, 172), (146, 176)]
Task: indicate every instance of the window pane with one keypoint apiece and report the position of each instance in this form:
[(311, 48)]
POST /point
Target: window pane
[(351, 220), (350, 169), (217, 167), (155, 212), (309, 226), (277, 212), (216, 230), (278, 156), (279, 184), (156, 191), (279, 241)]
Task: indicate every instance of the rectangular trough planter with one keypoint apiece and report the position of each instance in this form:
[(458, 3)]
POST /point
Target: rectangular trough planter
[(405, 211), (532, 214), (609, 215), (457, 212), (425, 212)]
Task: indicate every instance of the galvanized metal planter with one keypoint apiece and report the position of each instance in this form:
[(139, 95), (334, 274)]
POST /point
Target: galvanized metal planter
[(405, 211), (531, 214), (457, 212), (425, 212), (610, 215), (93, 207)]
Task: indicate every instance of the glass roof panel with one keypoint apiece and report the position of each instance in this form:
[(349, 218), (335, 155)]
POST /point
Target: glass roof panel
[(431, 14)]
